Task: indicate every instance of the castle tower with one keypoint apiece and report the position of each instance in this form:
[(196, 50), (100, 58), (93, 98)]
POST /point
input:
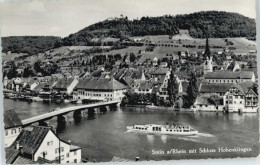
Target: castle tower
[(208, 64)]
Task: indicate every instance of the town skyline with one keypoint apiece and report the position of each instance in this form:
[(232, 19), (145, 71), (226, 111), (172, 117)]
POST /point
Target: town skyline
[(16, 22)]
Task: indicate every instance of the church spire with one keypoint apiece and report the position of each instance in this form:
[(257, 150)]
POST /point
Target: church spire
[(207, 50)]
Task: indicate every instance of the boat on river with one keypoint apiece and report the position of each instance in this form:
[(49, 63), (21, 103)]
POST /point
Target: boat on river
[(173, 129)]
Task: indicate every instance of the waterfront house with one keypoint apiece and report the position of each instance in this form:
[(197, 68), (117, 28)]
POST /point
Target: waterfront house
[(229, 77), (36, 142), (160, 79), (13, 126), (241, 97), (99, 89), (65, 85)]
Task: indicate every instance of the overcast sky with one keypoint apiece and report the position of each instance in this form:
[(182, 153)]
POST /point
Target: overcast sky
[(63, 17)]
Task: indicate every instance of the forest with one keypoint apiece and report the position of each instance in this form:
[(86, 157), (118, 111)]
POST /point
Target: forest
[(28, 44), (213, 24)]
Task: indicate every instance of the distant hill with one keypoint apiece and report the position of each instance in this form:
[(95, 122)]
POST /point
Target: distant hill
[(214, 24), (28, 44)]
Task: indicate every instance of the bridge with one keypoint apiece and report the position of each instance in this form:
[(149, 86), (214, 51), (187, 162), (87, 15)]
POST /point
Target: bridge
[(63, 111)]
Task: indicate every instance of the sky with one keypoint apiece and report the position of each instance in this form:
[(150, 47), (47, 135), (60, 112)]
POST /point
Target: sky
[(64, 17)]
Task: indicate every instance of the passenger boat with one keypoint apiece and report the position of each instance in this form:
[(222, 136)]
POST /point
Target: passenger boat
[(173, 129)]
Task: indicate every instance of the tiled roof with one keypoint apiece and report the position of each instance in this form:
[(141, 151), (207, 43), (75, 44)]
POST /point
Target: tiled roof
[(244, 86), (214, 88), (100, 83), (229, 75), (31, 138), (11, 119), (160, 71), (146, 85), (11, 155), (63, 83), (23, 160)]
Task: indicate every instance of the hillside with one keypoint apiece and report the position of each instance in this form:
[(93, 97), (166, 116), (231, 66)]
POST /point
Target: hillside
[(214, 24), (28, 44)]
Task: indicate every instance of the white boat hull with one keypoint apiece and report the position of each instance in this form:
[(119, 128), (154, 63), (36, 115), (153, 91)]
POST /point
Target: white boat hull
[(162, 132)]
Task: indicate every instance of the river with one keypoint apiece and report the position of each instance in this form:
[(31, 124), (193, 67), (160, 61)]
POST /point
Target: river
[(106, 136)]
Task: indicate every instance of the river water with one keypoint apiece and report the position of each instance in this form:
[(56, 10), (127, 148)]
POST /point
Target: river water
[(106, 135)]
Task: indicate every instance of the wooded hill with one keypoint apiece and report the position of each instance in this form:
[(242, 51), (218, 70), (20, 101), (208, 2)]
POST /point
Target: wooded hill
[(28, 44), (214, 24)]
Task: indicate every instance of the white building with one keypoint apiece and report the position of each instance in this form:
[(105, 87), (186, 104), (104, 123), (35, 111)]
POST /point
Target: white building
[(208, 66), (160, 79), (103, 89), (241, 98), (13, 127), (41, 142), (229, 77)]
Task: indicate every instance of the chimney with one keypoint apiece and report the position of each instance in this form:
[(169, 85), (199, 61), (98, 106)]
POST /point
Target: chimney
[(17, 147), (137, 159)]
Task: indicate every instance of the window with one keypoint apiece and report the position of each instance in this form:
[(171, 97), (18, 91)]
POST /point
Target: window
[(68, 161), (75, 152), (6, 133), (61, 149), (57, 150), (68, 155), (75, 160), (49, 143), (62, 157), (57, 158), (13, 131)]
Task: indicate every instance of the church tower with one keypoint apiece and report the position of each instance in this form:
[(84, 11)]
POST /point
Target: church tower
[(208, 64)]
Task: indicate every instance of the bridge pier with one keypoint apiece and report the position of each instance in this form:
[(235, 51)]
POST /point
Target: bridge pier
[(77, 114), (43, 123), (91, 113), (61, 119), (103, 109), (113, 107)]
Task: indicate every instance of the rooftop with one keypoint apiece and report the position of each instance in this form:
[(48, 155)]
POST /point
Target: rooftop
[(11, 119), (100, 83), (229, 75)]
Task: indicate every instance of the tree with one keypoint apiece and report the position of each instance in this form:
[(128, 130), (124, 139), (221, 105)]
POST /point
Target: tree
[(192, 90), (214, 99), (172, 88), (12, 72), (132, 57)]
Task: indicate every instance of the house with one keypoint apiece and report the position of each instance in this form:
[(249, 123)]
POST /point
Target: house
[(15, 156), (145, 87), (100, 89), (160, 79), (229, 77), (65, 85), (155, 61), (13, 126), (163, 64), (36, 142), (202, 103), (241, 98)]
